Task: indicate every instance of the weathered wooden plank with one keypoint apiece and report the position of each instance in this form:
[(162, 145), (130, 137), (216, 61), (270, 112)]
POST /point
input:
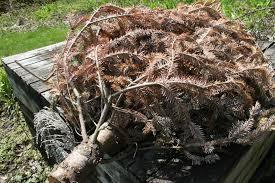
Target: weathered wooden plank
[(263, 44), (90, 177), (163, 165), (24, 93), (270, 55), (102, 175), (51, 49), (29, 79), (249, 162), (269, 52), (48, 95), (35, 74), (117, 173), (30, 61), (39, 70), (34, 65), (40, 86)]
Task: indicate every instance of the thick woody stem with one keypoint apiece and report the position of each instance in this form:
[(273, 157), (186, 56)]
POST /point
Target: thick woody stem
[(69, 170), (87, 155)]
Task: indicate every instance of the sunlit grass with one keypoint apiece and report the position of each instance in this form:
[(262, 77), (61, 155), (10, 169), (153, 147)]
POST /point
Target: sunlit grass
[(17, 42)]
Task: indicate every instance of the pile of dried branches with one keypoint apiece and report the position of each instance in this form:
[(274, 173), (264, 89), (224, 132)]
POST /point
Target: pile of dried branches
[(185, 78)]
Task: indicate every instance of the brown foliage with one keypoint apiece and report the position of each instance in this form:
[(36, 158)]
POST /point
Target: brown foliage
[(186, 77)]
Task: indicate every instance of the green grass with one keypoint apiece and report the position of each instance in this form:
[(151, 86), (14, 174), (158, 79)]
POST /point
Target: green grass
[(58, 8), (54, 13), (257, 15), (19, 160), (17, 42), (8, 104)]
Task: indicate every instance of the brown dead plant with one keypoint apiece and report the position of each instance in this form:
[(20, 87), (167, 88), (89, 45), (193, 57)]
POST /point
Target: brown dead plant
[(184, 79)]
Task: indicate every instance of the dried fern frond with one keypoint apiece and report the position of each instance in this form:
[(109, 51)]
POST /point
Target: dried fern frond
[(186, 77)]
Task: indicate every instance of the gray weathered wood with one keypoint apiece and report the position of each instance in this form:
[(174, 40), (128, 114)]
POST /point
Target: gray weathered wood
[(247, 165), (30, 61), (51, 49), (39, 69), (270, 55), (40, 86), (263, 44), (270, 52)]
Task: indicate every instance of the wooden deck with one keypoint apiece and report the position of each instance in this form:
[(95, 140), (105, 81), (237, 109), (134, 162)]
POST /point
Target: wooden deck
[(33, 94)]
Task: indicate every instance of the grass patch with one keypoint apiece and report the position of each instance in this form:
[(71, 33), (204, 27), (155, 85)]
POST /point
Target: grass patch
[(61, 6), (17, 42), (19, 159), (8, 105), (55, 13), (257, 15)]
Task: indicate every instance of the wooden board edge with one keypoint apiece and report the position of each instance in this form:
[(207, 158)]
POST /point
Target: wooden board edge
[(249, 162), (25, 93), (121, 175), (32, 53)]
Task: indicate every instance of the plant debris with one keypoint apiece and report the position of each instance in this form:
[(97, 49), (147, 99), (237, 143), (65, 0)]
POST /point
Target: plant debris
[(186, 78)]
